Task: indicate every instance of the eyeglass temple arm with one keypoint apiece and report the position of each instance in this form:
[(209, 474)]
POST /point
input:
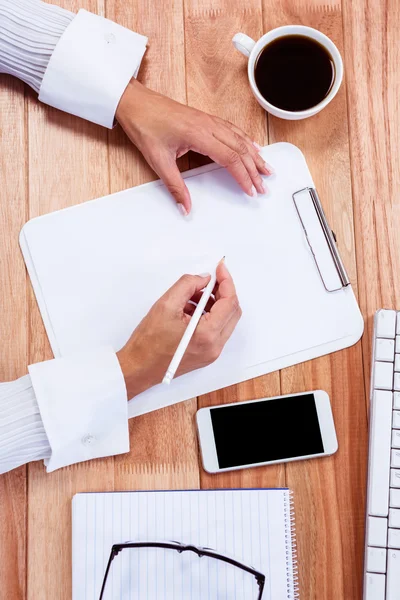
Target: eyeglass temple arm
[(261, 583), (114, 551)]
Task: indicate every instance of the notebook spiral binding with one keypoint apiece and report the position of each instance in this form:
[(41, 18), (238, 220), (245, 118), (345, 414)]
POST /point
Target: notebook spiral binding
[(292, 579)]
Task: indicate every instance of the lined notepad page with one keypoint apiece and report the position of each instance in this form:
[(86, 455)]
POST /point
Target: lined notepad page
[(252, 526)]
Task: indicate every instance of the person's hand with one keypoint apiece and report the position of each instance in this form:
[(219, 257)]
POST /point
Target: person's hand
[(145, 358), (164, 130)]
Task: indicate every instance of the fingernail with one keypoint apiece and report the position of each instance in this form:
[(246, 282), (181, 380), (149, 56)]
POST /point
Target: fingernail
[(182, 209), (224, 262), (204, 274), (253, 192), (265, 189), (257, 146), (270, 169)]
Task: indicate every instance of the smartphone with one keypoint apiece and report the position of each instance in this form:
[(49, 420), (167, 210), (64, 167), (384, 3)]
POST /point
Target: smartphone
[(267, 431)]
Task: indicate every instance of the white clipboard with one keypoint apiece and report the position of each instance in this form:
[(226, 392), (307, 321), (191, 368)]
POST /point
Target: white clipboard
[(96, 268)]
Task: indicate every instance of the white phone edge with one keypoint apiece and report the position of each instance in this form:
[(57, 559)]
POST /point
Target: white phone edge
[(208, 449)]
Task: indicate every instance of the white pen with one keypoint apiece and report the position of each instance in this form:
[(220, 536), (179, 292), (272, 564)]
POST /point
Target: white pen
[(190, 329)]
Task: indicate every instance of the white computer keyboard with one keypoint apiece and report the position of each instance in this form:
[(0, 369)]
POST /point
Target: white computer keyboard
[(382, 538)]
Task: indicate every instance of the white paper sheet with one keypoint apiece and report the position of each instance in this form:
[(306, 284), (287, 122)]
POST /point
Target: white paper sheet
[(98, 267), (248, 525)]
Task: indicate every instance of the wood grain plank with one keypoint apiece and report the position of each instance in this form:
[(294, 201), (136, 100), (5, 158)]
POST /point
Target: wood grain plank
[(163, 452), (14, 338), (163, 444), (68, 160), (216, 72), (329, 493), (217, 84), (372, 62)]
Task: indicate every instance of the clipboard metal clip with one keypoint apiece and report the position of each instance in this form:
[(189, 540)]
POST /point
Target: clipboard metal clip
[(323, 247)]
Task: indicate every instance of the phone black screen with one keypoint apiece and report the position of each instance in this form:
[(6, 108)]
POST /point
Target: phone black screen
[(257, 432)]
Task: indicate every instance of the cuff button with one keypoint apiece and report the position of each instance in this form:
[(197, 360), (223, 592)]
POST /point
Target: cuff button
[(88, 440), (110, 38)]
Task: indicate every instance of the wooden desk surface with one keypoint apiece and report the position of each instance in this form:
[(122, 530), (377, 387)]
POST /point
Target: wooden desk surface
[(51, 160)]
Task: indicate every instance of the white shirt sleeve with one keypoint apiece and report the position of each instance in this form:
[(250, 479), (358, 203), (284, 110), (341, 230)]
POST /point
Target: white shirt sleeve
[(67, 411), (80, 64)]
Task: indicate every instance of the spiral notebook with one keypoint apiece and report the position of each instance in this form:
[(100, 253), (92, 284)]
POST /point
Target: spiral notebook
[(254, 526)]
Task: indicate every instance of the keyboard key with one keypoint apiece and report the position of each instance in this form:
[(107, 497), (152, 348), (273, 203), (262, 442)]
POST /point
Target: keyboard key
[(375, 585), (397, 344), (395, 478), (396, 418), (394, 538), (394, 518), (396, 400), (383, 376), (376, 560), (397, 362), (393, 576), (385, 323), (394, 500), (377, 532), (396, 381), (379, 469), (384, 350), (396, 438), (398, 323), (396, 459)]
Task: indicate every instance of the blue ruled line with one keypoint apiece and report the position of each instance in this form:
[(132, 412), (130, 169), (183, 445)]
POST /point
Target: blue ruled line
[(130, 553), (190, 521), (121, 559), (259, 534), (198, 540), (182, 583), (233, 534), (208, 544), (95, 529), (269, 552), (138, 558), (86, 547), (104, 532), (226, 550), (147, 551), (216, 539), (173, 529), (241, 514), (112, 532), (156, 551), (251, 531), (165, 573)]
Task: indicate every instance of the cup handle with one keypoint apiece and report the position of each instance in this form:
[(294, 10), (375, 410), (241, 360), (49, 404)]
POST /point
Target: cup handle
[(243, 43)]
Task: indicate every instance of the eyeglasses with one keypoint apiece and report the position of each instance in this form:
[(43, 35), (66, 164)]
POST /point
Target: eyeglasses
[(180, 548)]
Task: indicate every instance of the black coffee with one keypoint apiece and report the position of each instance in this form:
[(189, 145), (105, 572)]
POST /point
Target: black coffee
[(294, 73)]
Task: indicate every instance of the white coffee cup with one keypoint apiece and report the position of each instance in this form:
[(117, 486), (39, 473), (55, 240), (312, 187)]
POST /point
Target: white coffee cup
[(252, 50)]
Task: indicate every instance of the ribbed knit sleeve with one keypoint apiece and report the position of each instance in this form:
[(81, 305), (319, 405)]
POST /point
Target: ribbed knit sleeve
[(29, 33), (22, 435)]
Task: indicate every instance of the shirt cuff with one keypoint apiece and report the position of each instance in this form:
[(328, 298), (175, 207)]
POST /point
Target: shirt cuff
[(91, 67), (83, 405)]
